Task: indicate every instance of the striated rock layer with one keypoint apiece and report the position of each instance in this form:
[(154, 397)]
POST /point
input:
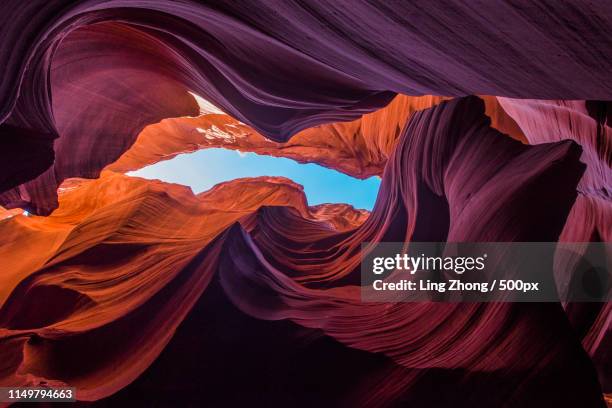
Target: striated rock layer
[(76, 89), (360, 148), (132, 286), (130, 279)]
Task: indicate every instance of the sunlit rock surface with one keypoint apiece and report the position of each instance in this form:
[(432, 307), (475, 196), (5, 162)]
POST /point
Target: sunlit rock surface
[(116, 274), (140, 292), (359, 148), (279, 68)]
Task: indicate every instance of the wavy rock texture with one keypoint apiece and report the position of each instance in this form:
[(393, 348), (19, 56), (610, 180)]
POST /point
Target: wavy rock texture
[(73, 274), (587, 123), (140, 292), (102, 99), (359, 148), (131, 279), (279, 68)]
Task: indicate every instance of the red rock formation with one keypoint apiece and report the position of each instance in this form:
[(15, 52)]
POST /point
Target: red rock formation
[(99, 289), (588, 123), (278, 68), (129, 276), (430, 194), (130, 233), (110, 105), (359, 148)]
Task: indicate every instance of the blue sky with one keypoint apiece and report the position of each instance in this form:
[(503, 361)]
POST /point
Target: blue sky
[(205, 168)]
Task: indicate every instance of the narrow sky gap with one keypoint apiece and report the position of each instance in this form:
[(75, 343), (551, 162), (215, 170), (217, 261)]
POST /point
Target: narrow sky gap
[(205, 168)]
